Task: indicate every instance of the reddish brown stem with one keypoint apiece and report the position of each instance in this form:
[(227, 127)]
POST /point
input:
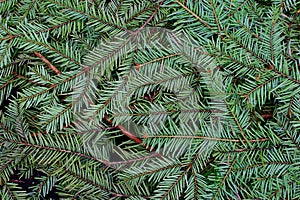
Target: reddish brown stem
[(47, 62), (127, 133), (16, 181), (267, 116), (151, 17), (130, 135), (8, 82)]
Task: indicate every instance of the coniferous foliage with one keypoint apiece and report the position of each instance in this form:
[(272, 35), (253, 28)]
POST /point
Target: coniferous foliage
[(134, 99)]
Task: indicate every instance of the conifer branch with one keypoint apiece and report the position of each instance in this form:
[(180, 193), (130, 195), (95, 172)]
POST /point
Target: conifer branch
[(88, 181), (261, 164), (194, 14), (276, 191), (209, 138), (126, 132), (252, 44), (47, 62), (151, 17), (8, 82), (224, 179)]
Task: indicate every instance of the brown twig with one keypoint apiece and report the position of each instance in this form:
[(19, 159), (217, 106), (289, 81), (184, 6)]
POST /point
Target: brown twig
[(267, 116), (151, 17), (124, 131), (47, 62), (130, 135), (8, 82), (17, 181), (127, 133)]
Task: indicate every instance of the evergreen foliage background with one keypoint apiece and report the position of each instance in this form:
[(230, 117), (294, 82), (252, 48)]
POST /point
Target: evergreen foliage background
[(49, 47)]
